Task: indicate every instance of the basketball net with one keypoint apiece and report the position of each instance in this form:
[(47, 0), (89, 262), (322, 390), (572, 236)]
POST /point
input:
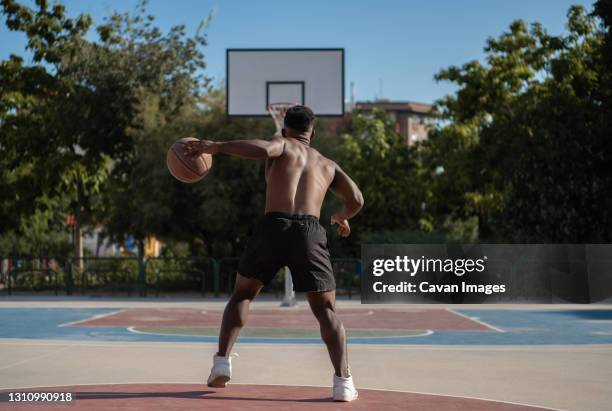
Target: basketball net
[(277, 112)]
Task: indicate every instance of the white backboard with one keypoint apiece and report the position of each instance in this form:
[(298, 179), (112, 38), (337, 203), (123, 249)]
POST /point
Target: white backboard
[(258, 77)]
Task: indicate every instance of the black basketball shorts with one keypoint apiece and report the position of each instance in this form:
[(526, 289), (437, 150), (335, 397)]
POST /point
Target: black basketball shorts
[(296, 241)]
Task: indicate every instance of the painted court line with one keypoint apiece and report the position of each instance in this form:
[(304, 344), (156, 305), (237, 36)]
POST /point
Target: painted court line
[(422, 393), (135, 331), (94, 317), (38, 357), (424, 334), (476, 320), (283, 314), (200, 345)]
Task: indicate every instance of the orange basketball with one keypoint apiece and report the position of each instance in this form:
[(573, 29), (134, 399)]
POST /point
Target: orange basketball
[(184, 168)]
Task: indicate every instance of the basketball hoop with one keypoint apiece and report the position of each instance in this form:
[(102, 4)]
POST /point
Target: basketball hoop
[(278, 111)]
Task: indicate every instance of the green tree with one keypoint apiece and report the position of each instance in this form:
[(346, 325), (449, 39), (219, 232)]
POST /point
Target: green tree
[(81, 121), (388, 174), (39, 148), (525, 142), (152, 81)]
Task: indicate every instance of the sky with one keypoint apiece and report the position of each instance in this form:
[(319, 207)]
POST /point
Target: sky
[(399, 45)]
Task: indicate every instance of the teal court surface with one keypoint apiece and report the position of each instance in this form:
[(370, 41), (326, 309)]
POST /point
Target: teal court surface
[(155, 354)]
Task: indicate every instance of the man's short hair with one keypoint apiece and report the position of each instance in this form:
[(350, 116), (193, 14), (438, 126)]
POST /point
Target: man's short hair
[(299, 118)]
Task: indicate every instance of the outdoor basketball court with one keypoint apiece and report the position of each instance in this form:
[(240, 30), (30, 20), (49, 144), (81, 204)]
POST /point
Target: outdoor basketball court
[(156, 355)]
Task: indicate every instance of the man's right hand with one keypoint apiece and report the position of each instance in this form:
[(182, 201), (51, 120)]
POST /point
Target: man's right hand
[(344, 229), (195, 148)]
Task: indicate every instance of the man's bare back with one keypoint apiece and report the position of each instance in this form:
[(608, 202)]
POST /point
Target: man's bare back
[(298, 179)]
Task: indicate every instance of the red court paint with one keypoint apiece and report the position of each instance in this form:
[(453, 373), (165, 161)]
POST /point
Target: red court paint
[(239, 397), (428, 319)]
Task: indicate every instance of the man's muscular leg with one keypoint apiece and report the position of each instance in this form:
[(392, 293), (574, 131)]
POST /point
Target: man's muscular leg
[(322, 305), (236, 312)]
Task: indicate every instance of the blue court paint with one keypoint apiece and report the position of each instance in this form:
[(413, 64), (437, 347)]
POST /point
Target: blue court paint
[(521, 327)]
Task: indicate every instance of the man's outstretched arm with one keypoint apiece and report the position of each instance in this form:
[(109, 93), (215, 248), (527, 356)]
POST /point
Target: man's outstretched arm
[(347, 190), (241, 148)]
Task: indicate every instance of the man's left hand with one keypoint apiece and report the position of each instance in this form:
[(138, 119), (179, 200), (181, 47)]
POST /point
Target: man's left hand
[(344, 229)]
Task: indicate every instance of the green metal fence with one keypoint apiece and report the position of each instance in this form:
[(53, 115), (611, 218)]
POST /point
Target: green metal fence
[(106, 275), (127, 276), (38, 275), (182, 275)]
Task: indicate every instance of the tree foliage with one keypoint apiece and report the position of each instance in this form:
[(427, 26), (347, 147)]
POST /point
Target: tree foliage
[(522, 151), (526, 142), (38, 152)]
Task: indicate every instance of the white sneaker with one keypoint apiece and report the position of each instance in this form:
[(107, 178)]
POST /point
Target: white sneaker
[(221, 371), (344, 389)]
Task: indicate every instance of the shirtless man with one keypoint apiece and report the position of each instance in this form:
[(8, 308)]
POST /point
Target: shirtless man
[(289, 234)]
